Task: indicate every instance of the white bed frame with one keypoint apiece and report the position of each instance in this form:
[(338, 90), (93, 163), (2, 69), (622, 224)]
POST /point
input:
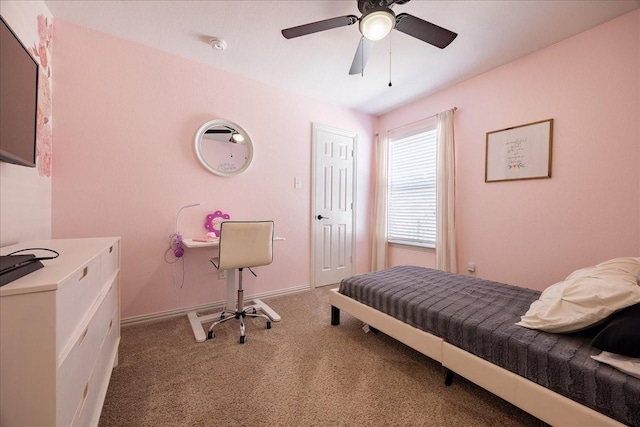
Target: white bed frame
[(538, 401)]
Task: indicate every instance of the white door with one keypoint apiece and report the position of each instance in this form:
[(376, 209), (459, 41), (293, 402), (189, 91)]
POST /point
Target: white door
[(333, 210)]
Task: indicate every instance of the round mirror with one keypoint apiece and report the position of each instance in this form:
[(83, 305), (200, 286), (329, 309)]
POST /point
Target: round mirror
[(223, 147)]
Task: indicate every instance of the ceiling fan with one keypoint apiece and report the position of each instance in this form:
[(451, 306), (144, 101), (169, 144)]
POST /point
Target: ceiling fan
[(376, 22), (234, 136)]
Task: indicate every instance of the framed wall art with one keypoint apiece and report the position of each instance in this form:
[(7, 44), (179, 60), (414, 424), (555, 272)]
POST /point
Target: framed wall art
[(519, 152)]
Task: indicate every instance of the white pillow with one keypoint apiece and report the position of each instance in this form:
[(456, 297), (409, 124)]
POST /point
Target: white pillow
[(586, 297), (626, 265), (628, 365)]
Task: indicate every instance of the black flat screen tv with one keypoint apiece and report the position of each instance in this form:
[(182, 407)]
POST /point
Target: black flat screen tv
[(18, 100)]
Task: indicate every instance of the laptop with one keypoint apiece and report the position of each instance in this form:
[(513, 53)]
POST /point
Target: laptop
[(13, 267)]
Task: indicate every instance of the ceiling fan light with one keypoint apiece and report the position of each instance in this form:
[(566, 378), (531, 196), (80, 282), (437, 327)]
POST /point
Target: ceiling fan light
[(377, 24), (236, 137)]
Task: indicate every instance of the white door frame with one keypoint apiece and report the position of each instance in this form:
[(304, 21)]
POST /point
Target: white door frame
[(315, 128)]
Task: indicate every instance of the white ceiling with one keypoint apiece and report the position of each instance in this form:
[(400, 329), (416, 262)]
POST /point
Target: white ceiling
[(490, 33)]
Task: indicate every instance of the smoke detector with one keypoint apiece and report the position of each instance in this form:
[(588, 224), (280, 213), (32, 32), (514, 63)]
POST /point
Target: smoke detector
[(218, 44)]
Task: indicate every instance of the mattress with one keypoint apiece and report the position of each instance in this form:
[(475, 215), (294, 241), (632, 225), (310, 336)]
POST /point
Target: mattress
[(479, 316)]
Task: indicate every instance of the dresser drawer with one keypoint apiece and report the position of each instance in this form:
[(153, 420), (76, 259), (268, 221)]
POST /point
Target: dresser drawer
[(87, 404), (110, 344), (75, 370), (109, 261), (104, 316), (75, 299)]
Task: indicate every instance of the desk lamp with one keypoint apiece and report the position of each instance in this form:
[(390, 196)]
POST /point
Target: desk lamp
[(179, 250)]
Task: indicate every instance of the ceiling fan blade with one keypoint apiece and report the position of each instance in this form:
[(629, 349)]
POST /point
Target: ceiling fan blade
[(314, 27), (362, 56), (425, 31)]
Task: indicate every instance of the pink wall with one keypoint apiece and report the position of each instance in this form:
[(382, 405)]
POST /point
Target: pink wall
[(124, 164), (126, 116), (533, 233), (410, 255)]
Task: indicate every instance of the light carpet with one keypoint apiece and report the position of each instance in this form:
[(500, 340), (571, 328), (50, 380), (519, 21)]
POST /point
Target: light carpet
[(301, 372)]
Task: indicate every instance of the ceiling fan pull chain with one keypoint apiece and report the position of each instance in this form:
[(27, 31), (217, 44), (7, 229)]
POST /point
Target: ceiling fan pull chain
[(390, 60), (362, 56)]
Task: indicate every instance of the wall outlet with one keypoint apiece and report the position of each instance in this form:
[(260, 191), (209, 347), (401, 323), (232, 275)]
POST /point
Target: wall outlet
[(471, 267), (222, 274)]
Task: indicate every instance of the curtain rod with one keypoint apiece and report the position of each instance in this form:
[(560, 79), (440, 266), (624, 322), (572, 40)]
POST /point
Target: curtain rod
[(412, 123)]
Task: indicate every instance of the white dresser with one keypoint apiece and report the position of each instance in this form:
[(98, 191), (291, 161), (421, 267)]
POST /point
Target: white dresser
[(59, 334)]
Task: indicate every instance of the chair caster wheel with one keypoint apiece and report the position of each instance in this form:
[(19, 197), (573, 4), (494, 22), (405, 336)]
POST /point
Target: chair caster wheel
[(268, 324), (210, 335), (243, 339)]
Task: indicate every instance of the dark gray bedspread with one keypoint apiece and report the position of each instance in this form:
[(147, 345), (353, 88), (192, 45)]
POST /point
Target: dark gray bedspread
[(479, 316)]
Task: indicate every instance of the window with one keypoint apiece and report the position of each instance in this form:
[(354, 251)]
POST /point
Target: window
[(411, 206)]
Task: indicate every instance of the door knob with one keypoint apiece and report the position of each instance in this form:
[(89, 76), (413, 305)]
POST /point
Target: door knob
[(321, 217)]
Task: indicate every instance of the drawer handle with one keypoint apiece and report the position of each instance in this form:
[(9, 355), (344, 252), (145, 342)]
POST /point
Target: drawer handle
[(111, 249), (85, 271), (83, 400), (110, 326), (83, 336)]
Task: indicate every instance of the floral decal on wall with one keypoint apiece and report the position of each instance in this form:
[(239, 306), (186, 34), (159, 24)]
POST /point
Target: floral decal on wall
[(44, 137)]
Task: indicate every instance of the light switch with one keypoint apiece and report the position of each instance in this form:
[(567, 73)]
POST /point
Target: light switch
[(297, 183)]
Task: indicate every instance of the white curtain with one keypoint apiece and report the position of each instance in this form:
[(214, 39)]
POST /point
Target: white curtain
[(446, 231), (379, 241)]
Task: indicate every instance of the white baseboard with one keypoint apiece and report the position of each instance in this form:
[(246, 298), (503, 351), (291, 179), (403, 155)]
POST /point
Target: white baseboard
[(218, 305)]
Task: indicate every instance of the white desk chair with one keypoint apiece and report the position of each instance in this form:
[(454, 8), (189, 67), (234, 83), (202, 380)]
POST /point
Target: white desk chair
[(243, 244)]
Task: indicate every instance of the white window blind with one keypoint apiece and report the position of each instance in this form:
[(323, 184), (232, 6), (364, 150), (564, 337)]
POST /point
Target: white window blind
[(412, 189)]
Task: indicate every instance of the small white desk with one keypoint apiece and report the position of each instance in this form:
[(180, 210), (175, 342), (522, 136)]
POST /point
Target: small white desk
[(197, 321)]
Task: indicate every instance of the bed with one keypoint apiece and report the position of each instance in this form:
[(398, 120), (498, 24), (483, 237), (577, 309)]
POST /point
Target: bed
[(469, 325)]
